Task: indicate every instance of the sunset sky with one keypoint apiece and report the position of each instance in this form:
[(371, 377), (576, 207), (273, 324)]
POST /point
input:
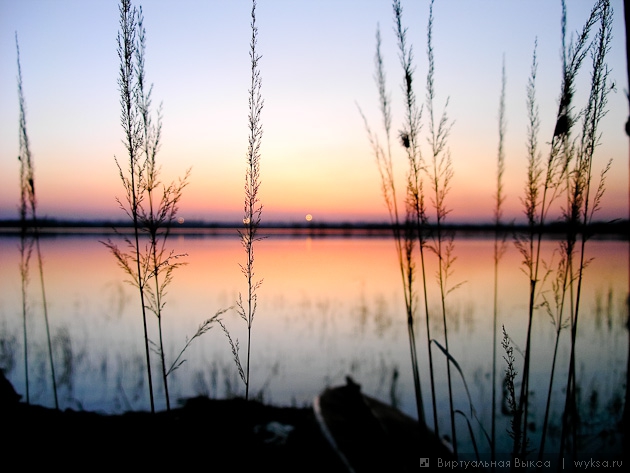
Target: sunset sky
[(317, 66)]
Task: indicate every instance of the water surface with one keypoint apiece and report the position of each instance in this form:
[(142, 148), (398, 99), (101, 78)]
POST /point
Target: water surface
[(329, 306)]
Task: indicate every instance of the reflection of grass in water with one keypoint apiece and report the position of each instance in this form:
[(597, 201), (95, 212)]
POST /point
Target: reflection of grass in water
[(123, 400), (8, 349), (388, 380), (609, 311), (598, 405), (62, 346), (72, 359), (460, 317), (116, 300), (362, 311), (203, 387), (373, 315), (383, 320)]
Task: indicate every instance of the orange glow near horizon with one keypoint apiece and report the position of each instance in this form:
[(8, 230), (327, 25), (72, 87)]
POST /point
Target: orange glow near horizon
[(334, 180), (349, 189), (473, 203)]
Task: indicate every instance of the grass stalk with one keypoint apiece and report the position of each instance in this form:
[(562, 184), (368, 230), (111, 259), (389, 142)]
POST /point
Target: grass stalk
[(403, 233), (26, 250), (252, 206), (472, 411), (583, 206), (134, 177), (151, 205), (40, 265), (564, 279), (499, 250), (203, 328), (510, 375), (540, 191), (416, 215), (126, 52), (162, 210), (542, 188), (440, 175), (252, 209), (26, 243), (409, 137), (560, 285), (526, 244), (29, 200), (151, 141)]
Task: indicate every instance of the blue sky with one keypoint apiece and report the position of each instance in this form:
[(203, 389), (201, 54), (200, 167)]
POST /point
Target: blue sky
[(317, 66)]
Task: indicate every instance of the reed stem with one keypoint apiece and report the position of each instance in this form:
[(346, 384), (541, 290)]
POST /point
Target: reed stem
[(499, 249), (415, 205), (252, 206), (133, 142), (28, 193), (441, 175), (581, 191)]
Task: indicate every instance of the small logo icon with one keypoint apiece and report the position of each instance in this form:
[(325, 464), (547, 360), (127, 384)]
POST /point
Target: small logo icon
[(424, 462)]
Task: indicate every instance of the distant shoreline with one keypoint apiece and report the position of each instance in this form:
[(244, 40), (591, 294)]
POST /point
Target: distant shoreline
[(619, 229)]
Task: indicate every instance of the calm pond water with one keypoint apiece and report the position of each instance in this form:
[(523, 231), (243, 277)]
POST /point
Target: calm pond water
[(329, 306)]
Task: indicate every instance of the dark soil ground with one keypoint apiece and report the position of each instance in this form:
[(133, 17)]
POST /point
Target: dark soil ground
[(204, 434), (230, 435)]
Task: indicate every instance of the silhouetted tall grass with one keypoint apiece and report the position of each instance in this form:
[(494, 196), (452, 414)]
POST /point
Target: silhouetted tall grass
[(404, 231), (252, 208), (26, 242), (26, 251), (563, 280), (133, 177), (151, 205), (28, 204), (499, 249), (582, 203), (538, 194), (159, 212), (440, 172), (415, 200), (566, 169), (509, 386)]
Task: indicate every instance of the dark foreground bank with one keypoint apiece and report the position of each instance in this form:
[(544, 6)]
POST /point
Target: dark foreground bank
[(343, 431), (204, 434)]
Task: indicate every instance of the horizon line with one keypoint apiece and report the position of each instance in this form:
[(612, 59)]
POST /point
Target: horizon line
[(65, 225)]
